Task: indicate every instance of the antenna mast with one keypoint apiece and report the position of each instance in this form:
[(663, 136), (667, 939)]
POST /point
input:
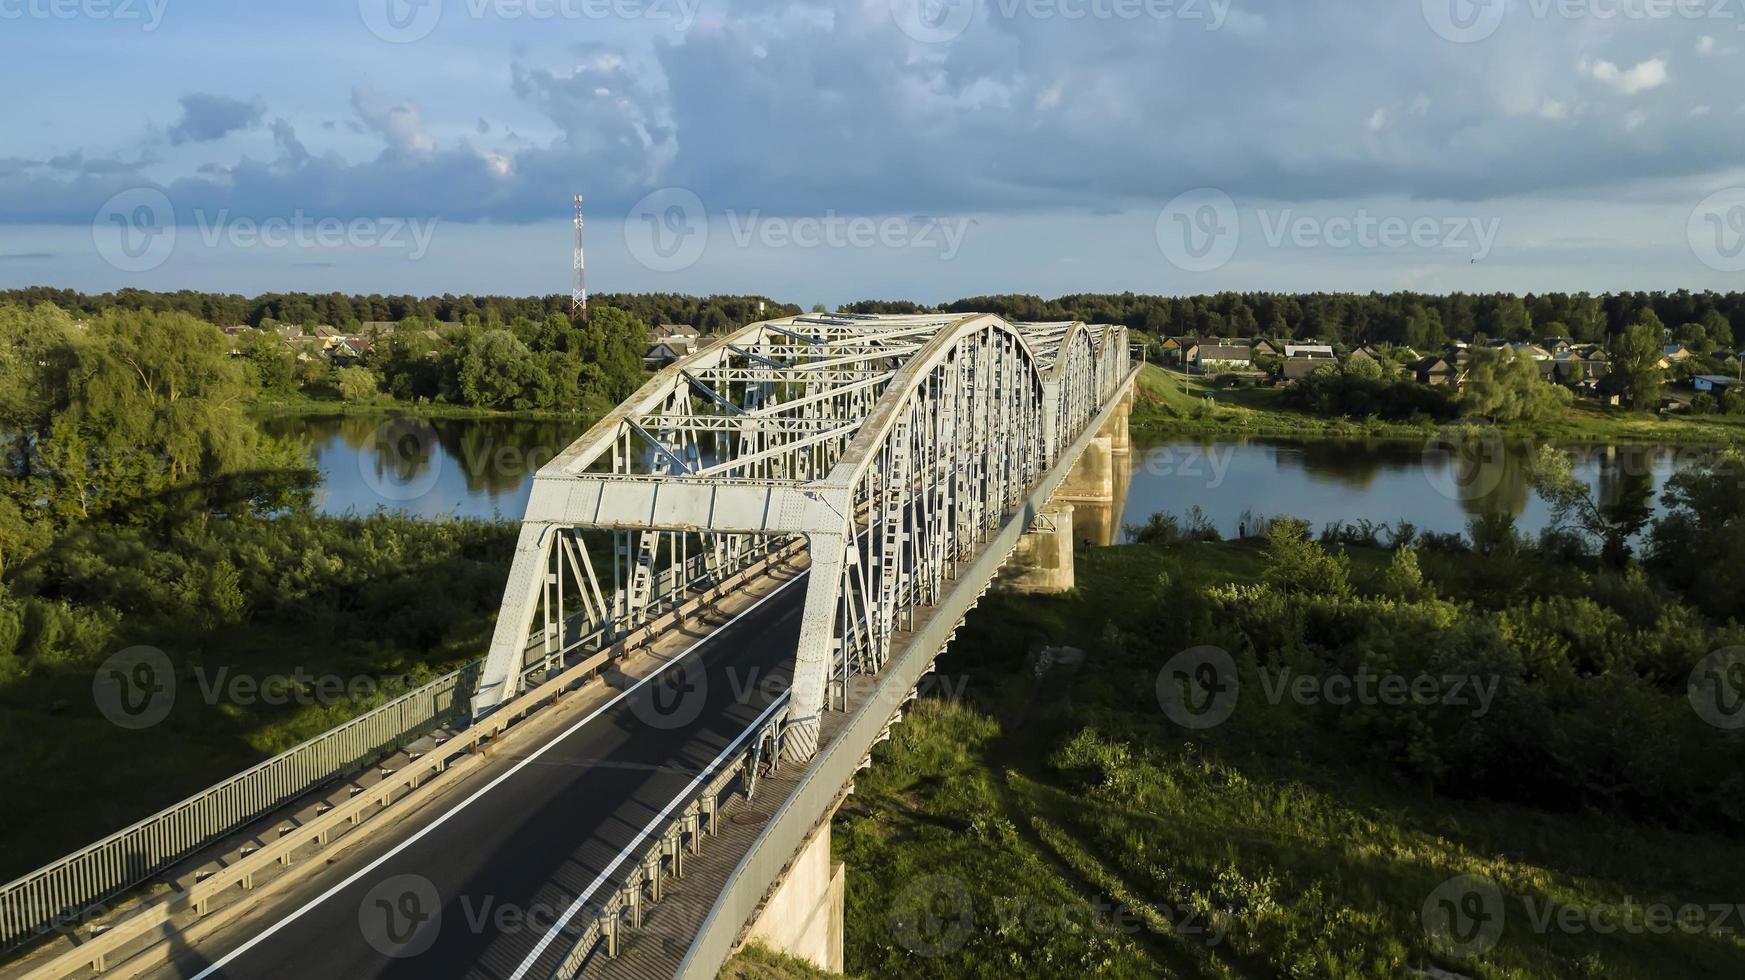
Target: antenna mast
[(579, 293)]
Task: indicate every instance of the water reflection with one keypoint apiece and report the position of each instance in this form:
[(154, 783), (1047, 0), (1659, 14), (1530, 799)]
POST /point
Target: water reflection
[(426, 467), (1438, 486)]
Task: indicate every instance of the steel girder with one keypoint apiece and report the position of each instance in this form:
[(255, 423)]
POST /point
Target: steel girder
[(894, 444)]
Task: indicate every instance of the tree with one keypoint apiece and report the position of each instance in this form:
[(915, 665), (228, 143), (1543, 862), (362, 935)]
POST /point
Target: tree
[(269, 364), (614, 341), (162, 383), (1612, 523), (357, 384), (494, 368), (1361, 366), (1505, 385), (1633, 363), (1700, 543), (1296, 564)]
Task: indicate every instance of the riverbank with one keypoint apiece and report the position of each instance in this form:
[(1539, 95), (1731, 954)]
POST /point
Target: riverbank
[(1170, 402), (1048, 819)]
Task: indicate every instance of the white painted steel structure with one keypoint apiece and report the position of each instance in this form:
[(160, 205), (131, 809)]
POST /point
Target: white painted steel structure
[(893, 444)]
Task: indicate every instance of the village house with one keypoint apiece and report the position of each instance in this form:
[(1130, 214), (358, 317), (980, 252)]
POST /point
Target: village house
[(668, 343), (1211, 358), (1435, 371), (1295, 369), (1715, 384)]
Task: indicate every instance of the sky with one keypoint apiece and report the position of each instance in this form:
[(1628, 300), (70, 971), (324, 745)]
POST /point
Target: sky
[(831, 151)]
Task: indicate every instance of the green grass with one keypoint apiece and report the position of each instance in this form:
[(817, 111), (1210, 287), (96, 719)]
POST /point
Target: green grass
[(1170, 401), (757, 962), (992, 836)]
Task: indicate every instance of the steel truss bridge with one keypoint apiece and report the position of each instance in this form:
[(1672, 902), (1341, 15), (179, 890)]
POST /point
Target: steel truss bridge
[(894, 445), (897, 460)]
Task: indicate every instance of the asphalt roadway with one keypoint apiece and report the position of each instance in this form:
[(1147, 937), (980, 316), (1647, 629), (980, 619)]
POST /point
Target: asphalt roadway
[(475, 888)]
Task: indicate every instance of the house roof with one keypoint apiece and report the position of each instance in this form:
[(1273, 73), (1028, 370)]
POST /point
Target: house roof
[(1308, 350), (1301, 367), (1225, 352), (1721, 380)]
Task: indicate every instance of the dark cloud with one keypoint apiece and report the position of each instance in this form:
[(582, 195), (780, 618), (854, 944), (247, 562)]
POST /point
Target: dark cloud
[(206, 118)]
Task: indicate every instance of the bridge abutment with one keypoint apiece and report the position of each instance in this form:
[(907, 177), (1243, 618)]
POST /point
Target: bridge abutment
[(803, 918)]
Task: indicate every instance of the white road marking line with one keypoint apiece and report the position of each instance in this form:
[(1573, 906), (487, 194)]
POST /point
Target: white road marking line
[(587, 893), (444, 818)]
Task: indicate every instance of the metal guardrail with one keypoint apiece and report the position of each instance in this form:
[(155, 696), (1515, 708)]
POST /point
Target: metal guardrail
[(68, 888), (672, 835)]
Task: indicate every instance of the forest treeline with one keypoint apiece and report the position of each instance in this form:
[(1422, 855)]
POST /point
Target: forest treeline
[(1419, 320), (707, 313)]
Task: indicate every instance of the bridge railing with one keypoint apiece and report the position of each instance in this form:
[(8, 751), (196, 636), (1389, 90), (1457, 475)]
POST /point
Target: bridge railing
[(67, 892), (61, 893), (661, 846)]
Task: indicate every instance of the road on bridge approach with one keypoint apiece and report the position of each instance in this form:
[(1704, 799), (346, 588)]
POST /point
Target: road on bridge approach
[(508, 850)]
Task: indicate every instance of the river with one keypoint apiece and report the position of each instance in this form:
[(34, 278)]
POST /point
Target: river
[(484, 468)]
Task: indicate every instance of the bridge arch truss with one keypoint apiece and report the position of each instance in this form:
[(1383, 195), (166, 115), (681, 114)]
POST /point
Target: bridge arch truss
[(893, 445)]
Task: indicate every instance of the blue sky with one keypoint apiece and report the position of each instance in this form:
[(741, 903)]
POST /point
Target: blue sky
[(823, 152)]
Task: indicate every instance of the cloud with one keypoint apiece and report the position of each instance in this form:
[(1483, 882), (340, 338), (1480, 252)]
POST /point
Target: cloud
[(400, 123), (1648, 75), (1705, 44), (803, 107), (206, 118)]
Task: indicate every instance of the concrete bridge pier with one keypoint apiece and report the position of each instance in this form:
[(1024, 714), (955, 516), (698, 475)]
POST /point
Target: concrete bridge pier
[(1087, 508), (804, 916)]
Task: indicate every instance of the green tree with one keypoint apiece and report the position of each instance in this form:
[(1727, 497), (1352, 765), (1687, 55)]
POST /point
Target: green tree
[(494, 369), (357, 384), (614, 341), (269, 363), (1296, 564), (1700, 542), (162, 383), (1613, 523), (1633, 363), (1505, 385)]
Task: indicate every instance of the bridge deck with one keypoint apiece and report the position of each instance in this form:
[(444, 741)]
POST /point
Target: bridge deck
[(502, 865)]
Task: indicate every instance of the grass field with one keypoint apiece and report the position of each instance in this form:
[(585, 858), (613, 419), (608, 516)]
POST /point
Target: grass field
[(1056, 824)]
